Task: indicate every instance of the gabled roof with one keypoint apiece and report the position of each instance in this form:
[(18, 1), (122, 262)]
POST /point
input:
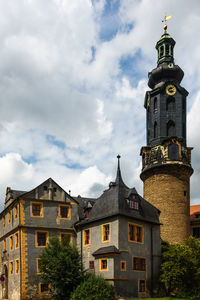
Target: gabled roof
[(12, 195), (49, 182), (115, 201)]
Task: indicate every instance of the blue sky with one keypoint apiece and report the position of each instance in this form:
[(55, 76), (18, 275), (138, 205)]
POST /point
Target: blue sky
[(73, 75)]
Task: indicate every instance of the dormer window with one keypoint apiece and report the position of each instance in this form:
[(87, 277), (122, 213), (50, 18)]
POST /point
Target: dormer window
[(134, 204)]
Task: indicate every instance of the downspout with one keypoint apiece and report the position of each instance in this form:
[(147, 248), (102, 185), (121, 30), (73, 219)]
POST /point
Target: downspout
[(81, 250), (152, 262)]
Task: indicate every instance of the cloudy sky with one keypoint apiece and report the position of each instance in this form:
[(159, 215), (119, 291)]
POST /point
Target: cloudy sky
[(73, 75)]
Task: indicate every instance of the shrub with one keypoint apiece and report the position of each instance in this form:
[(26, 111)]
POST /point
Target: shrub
[(94, 288)]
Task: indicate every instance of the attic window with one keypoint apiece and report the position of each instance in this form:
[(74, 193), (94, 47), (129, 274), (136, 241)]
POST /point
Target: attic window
[(134, 204), (55, 189), (45, 188)]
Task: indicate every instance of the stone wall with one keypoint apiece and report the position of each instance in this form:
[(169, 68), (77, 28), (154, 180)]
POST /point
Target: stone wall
[(168, 188)]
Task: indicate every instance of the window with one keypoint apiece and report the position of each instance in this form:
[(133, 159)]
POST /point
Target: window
[(16, 211), (66, 236), (167, 49), (142, 286), (4, 245), (16, 240), (161, 51), (38, 260), (123, 265), (9, 216), (155, 105), (41, 239), (45, 188), (103, 264), (11, 242), (54, 189), (36, 210), (139, 264), (17, 266), (64, 212), (4, 221), (106, 232), (134, 204), (43, 287), (86, 237), (196, 232), (11, 268), (171, 129), (155, 133), (91, 264), (135, 233), (171, 105)]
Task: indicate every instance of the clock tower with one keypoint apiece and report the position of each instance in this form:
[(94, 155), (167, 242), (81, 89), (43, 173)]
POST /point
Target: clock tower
[(166, 160)]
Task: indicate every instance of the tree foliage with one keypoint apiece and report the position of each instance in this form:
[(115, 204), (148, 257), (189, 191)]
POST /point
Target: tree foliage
[(94, 288), (181, 267), (60, 266)]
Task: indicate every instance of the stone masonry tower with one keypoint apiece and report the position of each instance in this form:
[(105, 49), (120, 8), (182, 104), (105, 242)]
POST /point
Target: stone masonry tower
[(166, 160)]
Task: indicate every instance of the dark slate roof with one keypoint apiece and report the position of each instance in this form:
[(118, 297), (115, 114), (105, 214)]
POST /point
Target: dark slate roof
[(16, 194), (84, 204), (106, 250), (115, 201)]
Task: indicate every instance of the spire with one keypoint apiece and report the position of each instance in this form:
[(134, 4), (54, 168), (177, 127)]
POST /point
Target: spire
[(119, 176)]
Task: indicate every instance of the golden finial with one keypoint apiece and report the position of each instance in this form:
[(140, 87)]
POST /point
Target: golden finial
[(166, 18)]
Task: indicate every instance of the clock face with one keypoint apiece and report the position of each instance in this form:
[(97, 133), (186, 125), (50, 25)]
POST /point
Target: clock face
[(171, 90), (170, 65)]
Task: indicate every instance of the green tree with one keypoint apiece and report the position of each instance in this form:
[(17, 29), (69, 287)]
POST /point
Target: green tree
[(94, 288), (60, 266), (180, 269)]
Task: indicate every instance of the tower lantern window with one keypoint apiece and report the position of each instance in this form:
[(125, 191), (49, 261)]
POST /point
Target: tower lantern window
[(167, 49), (161, 51)]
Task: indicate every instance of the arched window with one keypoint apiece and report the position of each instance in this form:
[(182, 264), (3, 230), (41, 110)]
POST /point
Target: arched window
[(170, 50), (161, 51), (167, 49), (155, 132), (170, 105), (171, 130), (155, 105)]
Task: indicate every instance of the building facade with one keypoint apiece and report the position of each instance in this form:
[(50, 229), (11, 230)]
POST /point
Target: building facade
[(166, 160), (120, 240), (195, 220), (28, 221), (118, 236)]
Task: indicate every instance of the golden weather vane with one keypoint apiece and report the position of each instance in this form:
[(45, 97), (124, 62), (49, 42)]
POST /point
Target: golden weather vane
[(166, 18)]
